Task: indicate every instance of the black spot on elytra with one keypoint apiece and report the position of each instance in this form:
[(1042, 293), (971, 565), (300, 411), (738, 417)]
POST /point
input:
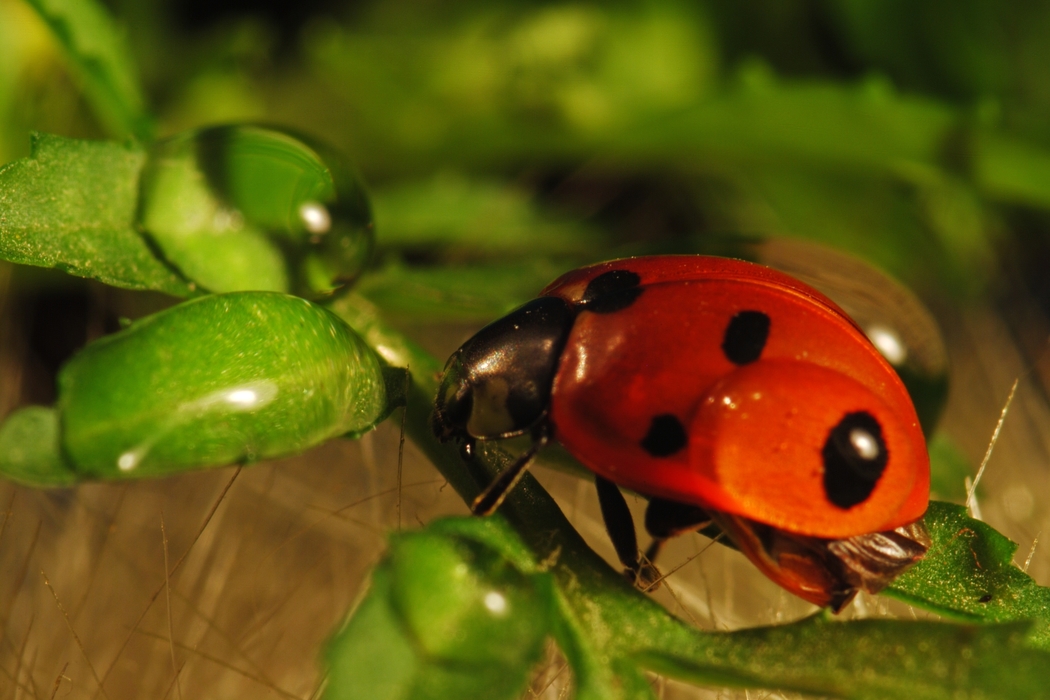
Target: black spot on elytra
[(850, 475), (745, 337), (664, 518), (665, 437), (611, 291)]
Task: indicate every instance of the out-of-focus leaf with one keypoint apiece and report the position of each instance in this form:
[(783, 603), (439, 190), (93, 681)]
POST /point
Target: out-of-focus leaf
[(217, 380), (101, 57), (449, 615), (372, 656), (860, 127), (948, 469), (512, 82), (71, 205), (475, 217), (919, 45), (470, 293), (969, 575), (1012, 170), (30, 452)]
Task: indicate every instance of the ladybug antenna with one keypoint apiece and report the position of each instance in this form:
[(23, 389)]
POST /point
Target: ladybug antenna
[(491, 498)]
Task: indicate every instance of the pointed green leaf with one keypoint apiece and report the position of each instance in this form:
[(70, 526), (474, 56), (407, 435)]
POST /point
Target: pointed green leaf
[(969, 575), (71, 205), (101, 58)]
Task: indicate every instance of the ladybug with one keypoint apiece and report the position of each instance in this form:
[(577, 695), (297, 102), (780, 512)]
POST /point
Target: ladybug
[(726, 392)]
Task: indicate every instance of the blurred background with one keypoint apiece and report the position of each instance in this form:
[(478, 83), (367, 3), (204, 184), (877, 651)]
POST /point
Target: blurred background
[(504, 143)]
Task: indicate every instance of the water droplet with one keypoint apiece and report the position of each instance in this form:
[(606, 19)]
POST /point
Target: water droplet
[(248, 207)]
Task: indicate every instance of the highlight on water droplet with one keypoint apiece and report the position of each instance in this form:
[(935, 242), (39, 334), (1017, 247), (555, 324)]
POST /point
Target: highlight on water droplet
[(131, 459), (315, 217), (244, 207), (496, 603), (128, 461)]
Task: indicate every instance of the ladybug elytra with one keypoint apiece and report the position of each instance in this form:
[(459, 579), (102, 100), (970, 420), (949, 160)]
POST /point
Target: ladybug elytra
[(724, 391)]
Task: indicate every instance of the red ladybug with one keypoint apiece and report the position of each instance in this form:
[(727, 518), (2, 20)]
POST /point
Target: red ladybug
[(724, 391)]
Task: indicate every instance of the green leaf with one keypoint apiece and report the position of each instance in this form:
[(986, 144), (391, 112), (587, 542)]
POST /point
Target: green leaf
[(100, 55), (865, 659), (477, 293), (1012, 170), (969, 575), (450, 615), (217, 380), (71, 205), (373, 656), (30, 452), (474, 217), (949, 469)]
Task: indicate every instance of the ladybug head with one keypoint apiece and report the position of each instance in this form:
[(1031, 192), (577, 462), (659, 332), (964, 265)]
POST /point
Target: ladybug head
[(498, 383)]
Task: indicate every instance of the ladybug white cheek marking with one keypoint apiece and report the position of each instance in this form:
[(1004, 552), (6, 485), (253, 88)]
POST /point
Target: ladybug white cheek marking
[(490, 415)]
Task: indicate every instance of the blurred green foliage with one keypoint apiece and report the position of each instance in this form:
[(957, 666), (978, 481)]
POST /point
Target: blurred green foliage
[(905, 134)]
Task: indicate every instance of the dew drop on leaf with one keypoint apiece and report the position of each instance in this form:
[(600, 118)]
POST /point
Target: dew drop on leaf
[(246, 207)]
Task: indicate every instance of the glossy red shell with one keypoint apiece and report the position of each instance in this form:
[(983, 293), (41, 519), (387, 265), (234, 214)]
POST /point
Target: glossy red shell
[(755, 431)]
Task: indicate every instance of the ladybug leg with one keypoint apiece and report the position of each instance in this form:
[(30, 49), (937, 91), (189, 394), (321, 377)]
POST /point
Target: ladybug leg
[(620, 525), (491, 498), (665, 519)]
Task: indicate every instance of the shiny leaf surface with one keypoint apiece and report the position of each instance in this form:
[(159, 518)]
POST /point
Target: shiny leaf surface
[(969, 575), (217, 380), (71, 206)]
